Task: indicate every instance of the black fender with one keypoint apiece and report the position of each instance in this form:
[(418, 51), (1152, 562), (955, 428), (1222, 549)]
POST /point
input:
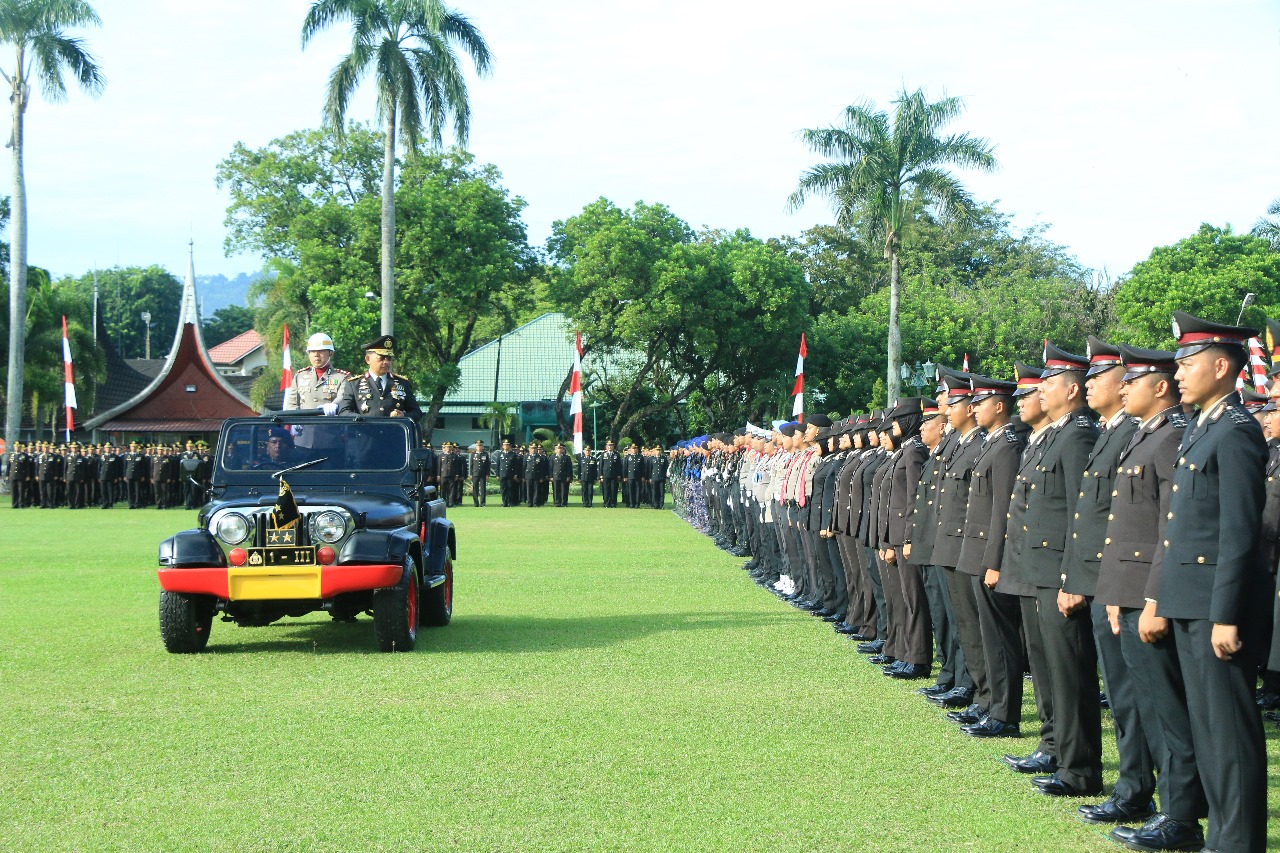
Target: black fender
[(380, 546), (191, 548), (441, 540)]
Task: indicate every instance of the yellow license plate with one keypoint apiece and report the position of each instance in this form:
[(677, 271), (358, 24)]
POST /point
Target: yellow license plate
[(281, 582)]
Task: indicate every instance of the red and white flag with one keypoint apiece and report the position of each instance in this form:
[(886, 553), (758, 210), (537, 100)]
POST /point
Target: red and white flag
[(69, 379), (286, 373), (575, 390), (965, 366), (797, 408), (1255, 372)]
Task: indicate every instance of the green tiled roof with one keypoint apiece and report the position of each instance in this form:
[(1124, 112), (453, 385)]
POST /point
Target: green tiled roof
[(535, 359)]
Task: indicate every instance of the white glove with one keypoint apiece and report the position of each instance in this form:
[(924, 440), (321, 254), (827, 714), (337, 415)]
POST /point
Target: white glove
[(295, 430), (329, 408)]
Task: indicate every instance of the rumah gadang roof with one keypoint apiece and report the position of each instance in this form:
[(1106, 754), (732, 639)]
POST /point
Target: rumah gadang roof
[(187, 389)]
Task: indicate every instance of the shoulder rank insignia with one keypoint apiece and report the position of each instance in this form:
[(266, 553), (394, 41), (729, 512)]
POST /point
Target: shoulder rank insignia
[(1011, 436), (1238, 416), (1084, 421), (1178, 419)]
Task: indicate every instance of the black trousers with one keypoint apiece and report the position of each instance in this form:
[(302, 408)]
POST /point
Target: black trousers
[(872, 566), (946, 640), (1226, 729), (588, 492), (1000, 623), (964, 604), (1073, 669), (835, 567), (560, 492), (632, 492), (1137, 780), (1161, 700), (861, 613), (479, 490), (659, 495), (609, 491), (1033, 636), (510, 495)]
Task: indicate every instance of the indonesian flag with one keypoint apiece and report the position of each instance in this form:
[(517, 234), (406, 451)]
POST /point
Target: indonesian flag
[(68, 379), (965, 366), (797, 408), (575, 390), (286, 374), (1255, 372)]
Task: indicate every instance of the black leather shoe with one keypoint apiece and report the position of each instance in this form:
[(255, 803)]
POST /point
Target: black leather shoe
[(991, 727), (1273, 716), (955, 698), (844, 628), (1115, 810), (1038, 762), (881, 660), (834, 618), (1054, 787), (1161, 833), (893, 667), (872, 648), (911, 671), (968, 716), (1269, 701), (933, 690), (822, 613), (859, 637)]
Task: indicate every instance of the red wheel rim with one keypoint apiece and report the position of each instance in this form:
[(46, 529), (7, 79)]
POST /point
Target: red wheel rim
[(448, 585)]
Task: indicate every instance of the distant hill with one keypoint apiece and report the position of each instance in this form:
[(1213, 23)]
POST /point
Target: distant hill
[(218, 291)]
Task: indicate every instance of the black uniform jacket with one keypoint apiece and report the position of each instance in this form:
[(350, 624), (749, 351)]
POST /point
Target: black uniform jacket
[(361, 395), (479, 464), (1271, 509), (562, 467), (610, 465), (987, 518), (924, 521), (876, 459), (588, 467), (1212, 567), (1050, 499), (844, 514), (1093, 508), (903, 481), (953, 500), (1133, 547)]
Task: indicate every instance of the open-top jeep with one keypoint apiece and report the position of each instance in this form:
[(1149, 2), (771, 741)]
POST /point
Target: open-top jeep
[(310, 513)]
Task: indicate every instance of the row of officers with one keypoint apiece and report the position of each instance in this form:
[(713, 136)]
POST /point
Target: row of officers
[(1108, 522), (75, 475), (528, 475)]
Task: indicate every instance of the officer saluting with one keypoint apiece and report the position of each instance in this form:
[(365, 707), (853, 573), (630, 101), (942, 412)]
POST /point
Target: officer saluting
[(317, 385), (379, 392)]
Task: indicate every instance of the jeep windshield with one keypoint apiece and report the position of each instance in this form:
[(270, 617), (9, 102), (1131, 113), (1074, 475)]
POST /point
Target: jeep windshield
[(332, 445)]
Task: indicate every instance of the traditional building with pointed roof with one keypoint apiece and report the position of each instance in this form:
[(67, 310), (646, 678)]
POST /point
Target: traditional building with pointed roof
[(188, 396)]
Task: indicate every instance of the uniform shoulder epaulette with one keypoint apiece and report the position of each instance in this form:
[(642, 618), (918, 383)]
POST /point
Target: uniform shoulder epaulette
[(1136, 421), (1178, 419), (1239, 416), (1011, 436), (1084, 421)]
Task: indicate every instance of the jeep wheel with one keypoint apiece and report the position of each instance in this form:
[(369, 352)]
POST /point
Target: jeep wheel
[(437, 603), (395, 612), (185, 620)]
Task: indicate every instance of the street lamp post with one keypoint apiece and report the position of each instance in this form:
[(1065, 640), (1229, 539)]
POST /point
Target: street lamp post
[(146, 318), (594, 406)]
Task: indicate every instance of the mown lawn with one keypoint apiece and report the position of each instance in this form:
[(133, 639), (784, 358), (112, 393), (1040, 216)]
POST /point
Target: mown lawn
[(610, 681)]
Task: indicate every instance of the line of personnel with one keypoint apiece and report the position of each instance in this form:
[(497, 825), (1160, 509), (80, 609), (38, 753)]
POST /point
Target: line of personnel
[(75, 475), (1122, 526), (527, 475)]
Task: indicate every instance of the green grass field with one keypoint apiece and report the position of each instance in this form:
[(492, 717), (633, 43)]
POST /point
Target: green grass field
[(610, 681)]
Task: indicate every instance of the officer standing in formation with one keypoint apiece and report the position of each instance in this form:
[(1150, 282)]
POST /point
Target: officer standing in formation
[(78, 475), (478, 467), (561, 476), (588, 475), (1121, 534)]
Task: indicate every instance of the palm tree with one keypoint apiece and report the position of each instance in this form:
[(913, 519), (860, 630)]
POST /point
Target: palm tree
[(37, 30), (883, 165), (410, 46), (1269, 229)]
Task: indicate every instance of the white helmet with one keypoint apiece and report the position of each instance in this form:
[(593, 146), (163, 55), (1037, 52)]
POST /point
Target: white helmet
[(319, 341)]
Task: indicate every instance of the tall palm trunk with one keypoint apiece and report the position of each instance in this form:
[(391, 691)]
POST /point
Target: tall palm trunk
[(895, 332), (389, 223), (17, 268)]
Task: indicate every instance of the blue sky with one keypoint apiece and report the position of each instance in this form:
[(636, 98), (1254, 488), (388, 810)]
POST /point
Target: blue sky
[(1124, 125)]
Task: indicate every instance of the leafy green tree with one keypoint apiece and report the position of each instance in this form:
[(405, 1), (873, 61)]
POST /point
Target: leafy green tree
[(123, 294), (1268, 228), (663, 309), (410, 46), (226, 323), (502, 418), (37, 29), (1206, 274), (882, 165)]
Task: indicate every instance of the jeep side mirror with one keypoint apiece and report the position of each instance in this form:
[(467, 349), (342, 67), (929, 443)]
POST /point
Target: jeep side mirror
[(420, 459)]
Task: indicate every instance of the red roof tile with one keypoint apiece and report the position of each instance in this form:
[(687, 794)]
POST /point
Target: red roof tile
[(229, 352)]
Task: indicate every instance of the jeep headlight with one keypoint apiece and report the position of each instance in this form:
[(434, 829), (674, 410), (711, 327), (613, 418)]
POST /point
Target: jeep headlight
[(328, 526), (233, 528)]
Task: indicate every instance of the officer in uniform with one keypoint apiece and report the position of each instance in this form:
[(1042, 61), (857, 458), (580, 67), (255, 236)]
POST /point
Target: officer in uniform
[(610, 471), (658, 477), (1214, 586), (478, 470), (588, 474), (1130, 568), (108, 473), (188, 469), (19, 476), (535, 476), (506, 462), (317, 385), (457, 465), (632, 473), (135, 473), (378, 391), (561, 476)]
